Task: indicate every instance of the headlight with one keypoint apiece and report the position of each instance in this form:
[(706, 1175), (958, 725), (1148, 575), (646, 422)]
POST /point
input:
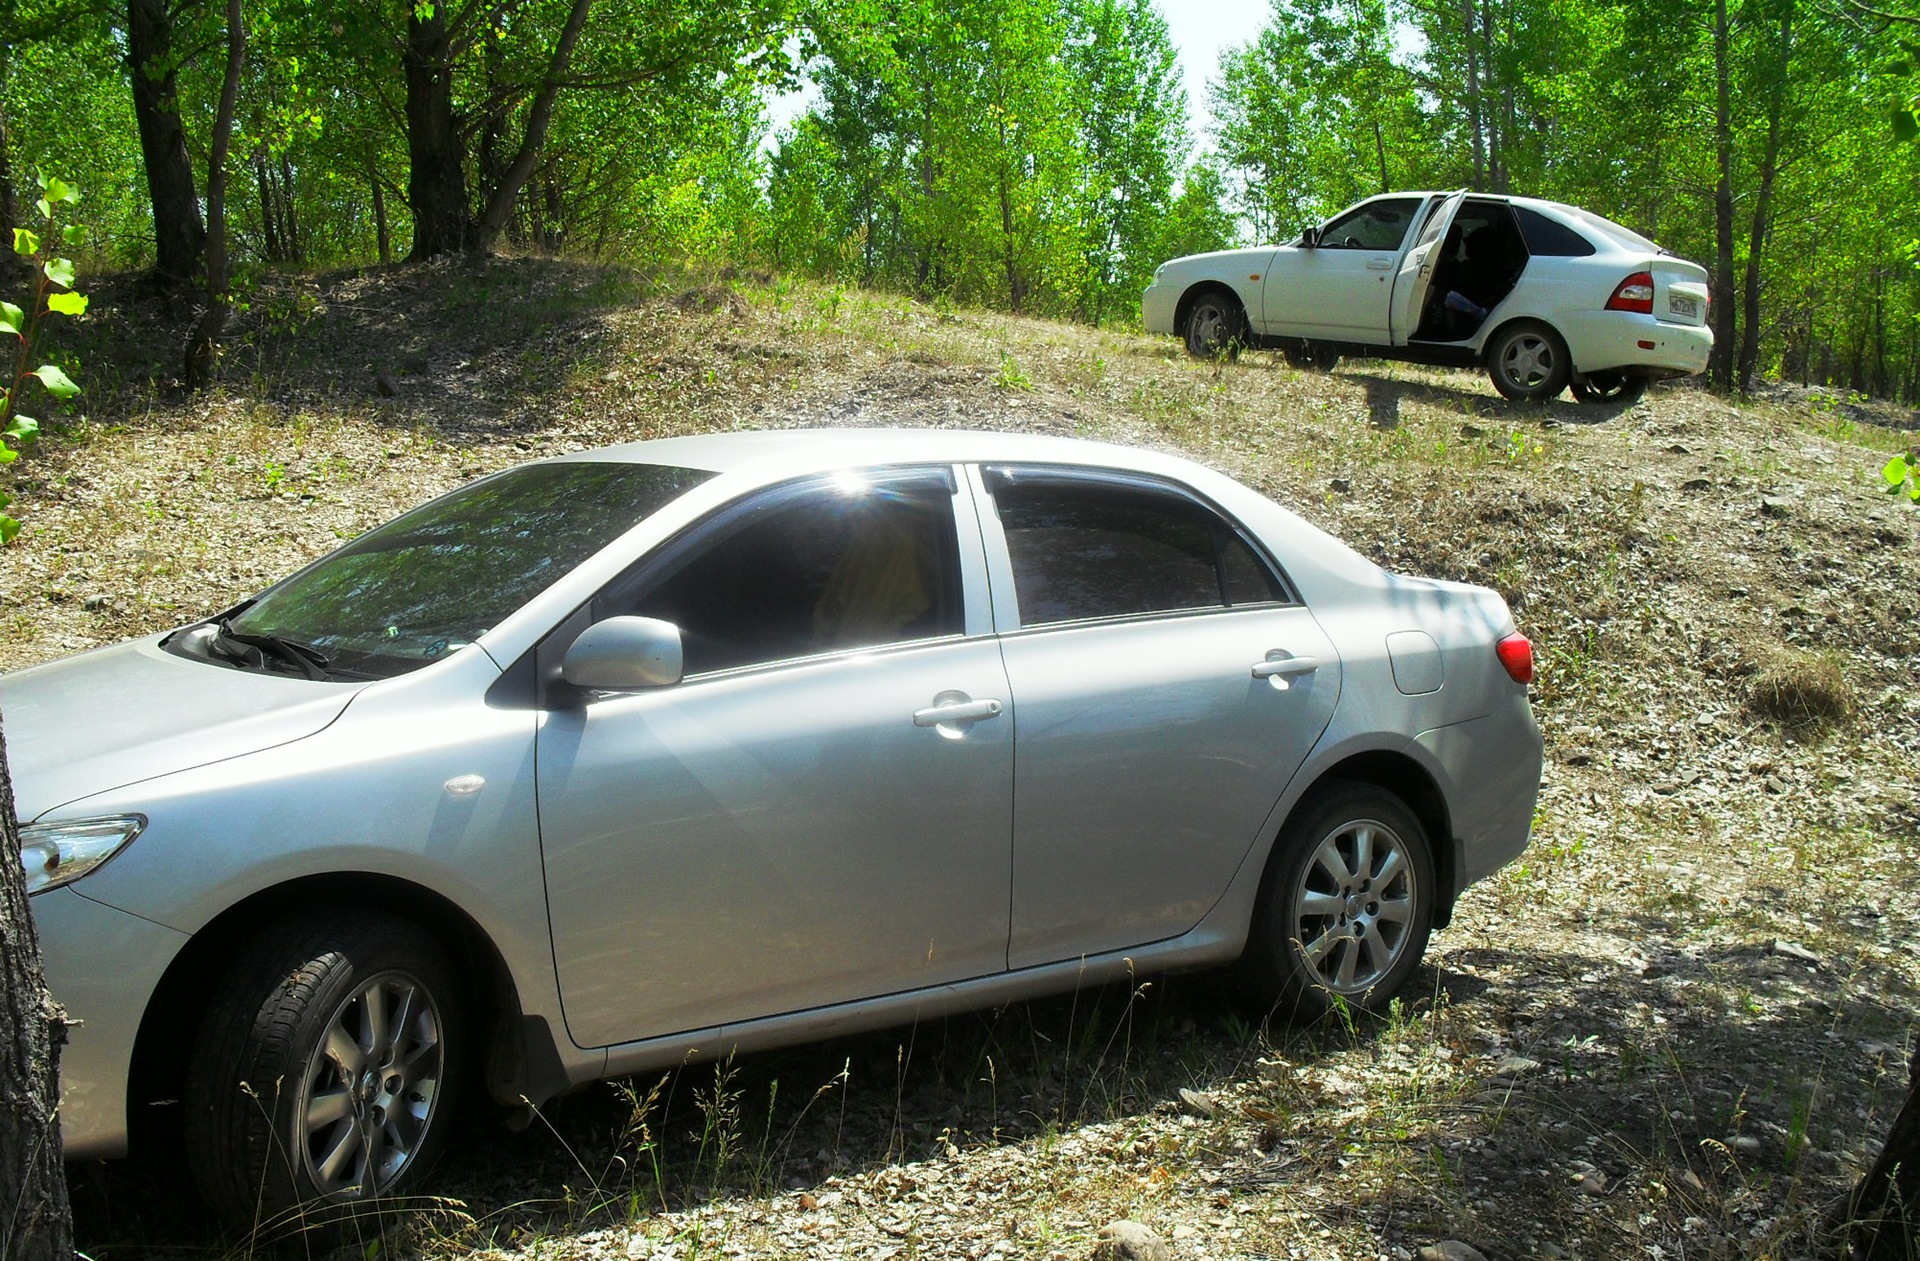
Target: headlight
[(60, 853)]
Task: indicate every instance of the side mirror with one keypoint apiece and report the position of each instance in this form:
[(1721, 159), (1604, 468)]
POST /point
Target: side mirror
[(1310, 238), (625, 654)]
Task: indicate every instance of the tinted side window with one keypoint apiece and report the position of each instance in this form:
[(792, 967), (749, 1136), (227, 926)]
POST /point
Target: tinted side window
[(1090, 549), (821, 570), (1378, 225), (1546, 237)]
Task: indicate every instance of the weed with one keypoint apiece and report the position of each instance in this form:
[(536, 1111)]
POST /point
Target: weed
[(1011, 375)]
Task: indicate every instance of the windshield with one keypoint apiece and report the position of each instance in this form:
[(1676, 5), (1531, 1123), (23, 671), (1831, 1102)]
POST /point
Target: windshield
[(431, 582)]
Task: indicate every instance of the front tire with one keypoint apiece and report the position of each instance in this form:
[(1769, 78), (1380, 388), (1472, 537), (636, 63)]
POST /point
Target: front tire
[(1313, 358), (325, 1067), (1347, 904), (1216, 326), (1528, 362)]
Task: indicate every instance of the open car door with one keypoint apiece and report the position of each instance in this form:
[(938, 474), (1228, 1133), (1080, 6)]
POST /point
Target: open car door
[(1416, 268)]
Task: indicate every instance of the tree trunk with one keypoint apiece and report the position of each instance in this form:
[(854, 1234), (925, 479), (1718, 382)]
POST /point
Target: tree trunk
[(1720, 362), (269, 215), (1763, 207), (380, 234), (437, 183), (1882, 1216), (1474, 132), (500, 202), (11, 265), (196, 370), (38, 1225), (178, 234)]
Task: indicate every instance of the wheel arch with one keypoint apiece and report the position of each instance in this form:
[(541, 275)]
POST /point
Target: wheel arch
[(1199, 289), (519, 1060), (1411, 782)]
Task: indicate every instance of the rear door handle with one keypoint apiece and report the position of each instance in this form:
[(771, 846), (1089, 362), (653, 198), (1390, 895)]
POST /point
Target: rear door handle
[(1379, 264), (959, 711), (1283, 667)]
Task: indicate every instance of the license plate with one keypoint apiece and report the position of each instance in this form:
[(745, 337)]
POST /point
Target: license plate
[(1682, 305)]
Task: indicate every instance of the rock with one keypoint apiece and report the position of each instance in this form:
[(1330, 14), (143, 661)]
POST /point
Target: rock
[(1794, 950), (1130, 1241), (1745, 1144), (1775, 506), (94, 604), (1341, 486), (1451, 1250), (1514, 1065), (1594, 1183), (383, 384), (1198, 1104)]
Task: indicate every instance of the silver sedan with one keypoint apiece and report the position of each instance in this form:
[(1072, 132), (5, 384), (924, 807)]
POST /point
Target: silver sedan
[(682, 748)]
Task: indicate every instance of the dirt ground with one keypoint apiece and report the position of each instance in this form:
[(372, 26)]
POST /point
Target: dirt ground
[(1675, 1029)]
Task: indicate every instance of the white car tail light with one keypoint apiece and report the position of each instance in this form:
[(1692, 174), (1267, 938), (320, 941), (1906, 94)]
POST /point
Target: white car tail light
[(1635, 293)]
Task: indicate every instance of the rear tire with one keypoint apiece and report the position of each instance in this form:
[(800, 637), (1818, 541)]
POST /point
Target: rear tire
[(1313, 358), (1347, 903), (1216, 326), (325, 1068), (1528, 362), (1622, 389)]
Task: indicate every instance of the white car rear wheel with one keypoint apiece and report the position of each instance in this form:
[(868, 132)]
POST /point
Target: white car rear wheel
[(1528, 362)]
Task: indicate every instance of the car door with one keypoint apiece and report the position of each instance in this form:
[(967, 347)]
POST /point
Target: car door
[(819, 810), (1167, 687), (1340, 288), (1416, 269)]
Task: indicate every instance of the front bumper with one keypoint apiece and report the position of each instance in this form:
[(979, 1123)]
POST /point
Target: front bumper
[(1158, 306), (102, 965)]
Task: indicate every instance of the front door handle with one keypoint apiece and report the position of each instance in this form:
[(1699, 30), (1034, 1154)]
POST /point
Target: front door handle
[(1284, 667), (956, 711), (1379, 264)]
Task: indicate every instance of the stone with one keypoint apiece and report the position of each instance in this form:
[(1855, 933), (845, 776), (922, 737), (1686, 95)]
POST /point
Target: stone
[(1746, 1145), (1341, 486), (1514, 1065), (1776, 506), (1198, 1104), (1130, 1241), (384, 385), (1451, 1250), (1794, 950)]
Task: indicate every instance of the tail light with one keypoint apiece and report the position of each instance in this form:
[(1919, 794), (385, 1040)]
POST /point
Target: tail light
[(1634, 294), (1516, 654)]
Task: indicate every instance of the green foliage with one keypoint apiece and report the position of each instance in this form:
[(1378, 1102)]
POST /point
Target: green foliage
[(1902, 477), (54, 277)]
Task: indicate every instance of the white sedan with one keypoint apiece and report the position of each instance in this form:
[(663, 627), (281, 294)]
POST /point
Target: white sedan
[(1545, 296)]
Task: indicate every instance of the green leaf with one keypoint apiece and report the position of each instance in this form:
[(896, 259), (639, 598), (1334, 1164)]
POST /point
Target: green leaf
[(45, 208), (58, 383), (7, 454), (1895, 471), (24, 429), (12, 319), (58, 190), (8, 528), (25, 242), (60, 272), (1906, 123), (67, 303), (73, 233)]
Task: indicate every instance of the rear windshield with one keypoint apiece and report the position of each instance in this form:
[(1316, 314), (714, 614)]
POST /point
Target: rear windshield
[(1626, 236), (431, 582)]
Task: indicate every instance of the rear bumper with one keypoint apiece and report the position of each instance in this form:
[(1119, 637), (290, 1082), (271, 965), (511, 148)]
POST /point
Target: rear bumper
[(102, 966), (1603, 341), (1490, 774)]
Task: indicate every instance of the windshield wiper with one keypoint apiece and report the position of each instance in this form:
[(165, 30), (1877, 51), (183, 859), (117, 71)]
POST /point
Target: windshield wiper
[(248, 649)]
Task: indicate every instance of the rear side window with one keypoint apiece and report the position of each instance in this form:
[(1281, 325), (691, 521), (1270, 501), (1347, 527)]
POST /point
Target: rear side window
[(1090, 548), (1548, 238)]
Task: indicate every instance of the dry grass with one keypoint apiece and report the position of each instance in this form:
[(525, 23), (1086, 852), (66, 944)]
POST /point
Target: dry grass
[(1675, 1028)]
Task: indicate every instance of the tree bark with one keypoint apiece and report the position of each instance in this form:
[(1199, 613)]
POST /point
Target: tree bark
[(10, 264), (437, 183), (38, 1225), (493, 220), (381, 237), (1720, 362), (1763, 207), (1882, 1216), (1474, 131), (196, 370), (179, 237)]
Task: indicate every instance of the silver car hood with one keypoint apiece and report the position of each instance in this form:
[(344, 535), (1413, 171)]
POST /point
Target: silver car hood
[(118, 715)]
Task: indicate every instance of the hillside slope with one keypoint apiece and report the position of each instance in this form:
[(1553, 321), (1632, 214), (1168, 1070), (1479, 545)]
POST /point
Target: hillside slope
[(1675, 1029)]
